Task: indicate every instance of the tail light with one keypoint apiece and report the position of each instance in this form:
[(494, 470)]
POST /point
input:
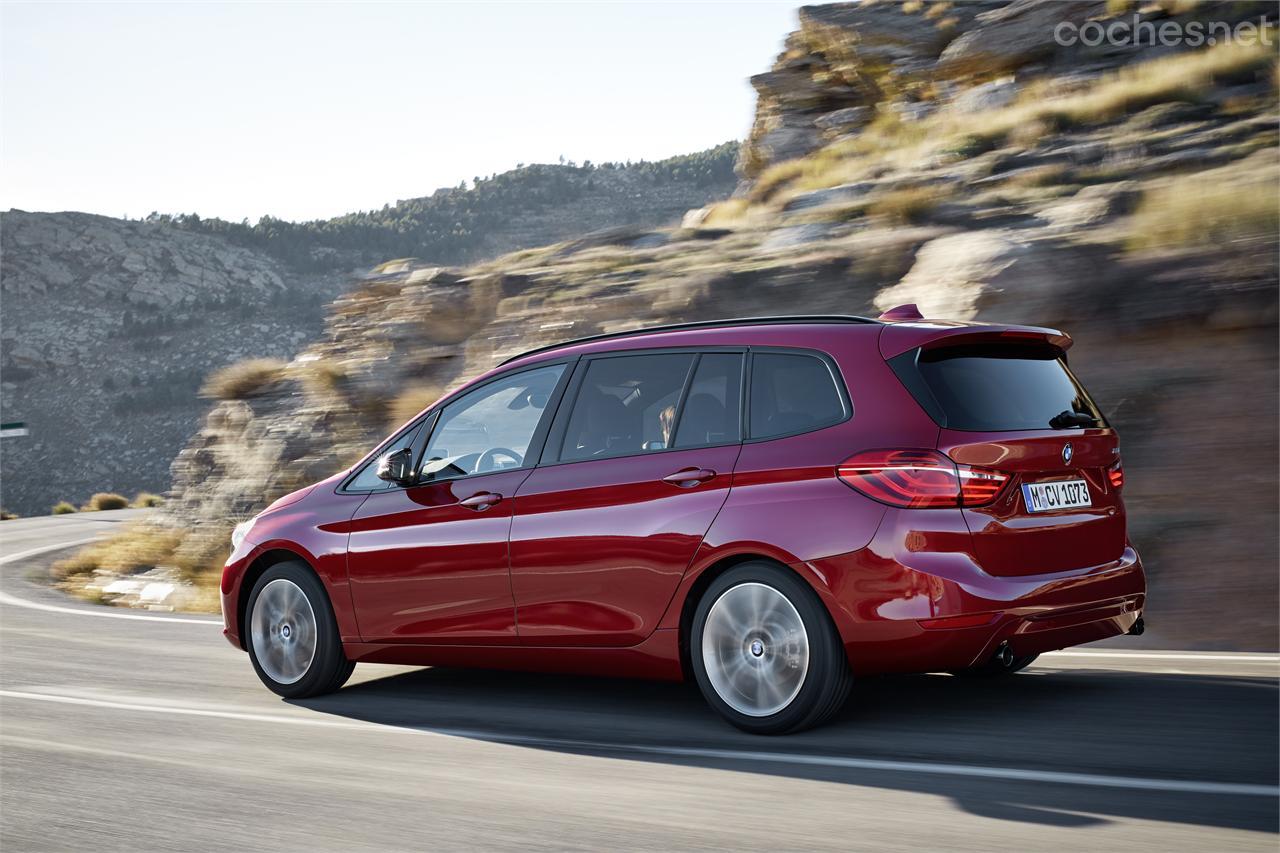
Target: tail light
[(919, 479), (1115, 476)]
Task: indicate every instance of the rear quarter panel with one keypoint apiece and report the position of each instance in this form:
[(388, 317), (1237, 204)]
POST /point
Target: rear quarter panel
[(787, 504)]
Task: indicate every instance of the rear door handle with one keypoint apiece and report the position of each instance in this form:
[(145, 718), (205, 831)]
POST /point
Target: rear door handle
[(689, 477), (481, 502)]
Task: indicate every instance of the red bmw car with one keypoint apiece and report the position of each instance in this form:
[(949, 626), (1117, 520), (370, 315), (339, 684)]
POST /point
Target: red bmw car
[(768, 506)]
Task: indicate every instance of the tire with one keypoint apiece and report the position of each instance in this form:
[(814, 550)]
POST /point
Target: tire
[(291, 635), (765, 652), (991, 669)]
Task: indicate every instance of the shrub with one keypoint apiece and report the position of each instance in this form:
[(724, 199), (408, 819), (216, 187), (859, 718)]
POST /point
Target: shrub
[(908, 206), (1204, 210), (106, 500), (411, 401), (937, 9), (146, 499), (323, 378), (63, 508), (727, 212), (243, 379), (135, 549)]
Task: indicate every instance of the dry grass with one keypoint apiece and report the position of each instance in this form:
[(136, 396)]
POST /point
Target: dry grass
[(143, 500), (1179, 7), (5, 515), (63, 508), (890, 141), (136, 549), (323, 378), (105, 500), (1205, 210), (726, 213), (197, 555), (908, 206), (1049, 175), (243, 379), (411, 401), (937, 9)]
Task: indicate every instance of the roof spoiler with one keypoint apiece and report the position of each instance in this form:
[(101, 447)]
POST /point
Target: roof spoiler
[(897, 338)]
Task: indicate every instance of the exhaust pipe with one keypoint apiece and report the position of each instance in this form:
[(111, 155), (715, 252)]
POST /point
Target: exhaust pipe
[(1136, 629), (1004, 655)]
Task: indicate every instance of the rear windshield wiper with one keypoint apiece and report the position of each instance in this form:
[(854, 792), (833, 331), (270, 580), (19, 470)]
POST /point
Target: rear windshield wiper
[(1072, 420)]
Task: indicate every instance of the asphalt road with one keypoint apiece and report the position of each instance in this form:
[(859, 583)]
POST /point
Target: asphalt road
[(121, 730)]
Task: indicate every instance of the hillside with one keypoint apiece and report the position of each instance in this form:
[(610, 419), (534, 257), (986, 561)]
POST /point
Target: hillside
[(958, 159), (127, 317)]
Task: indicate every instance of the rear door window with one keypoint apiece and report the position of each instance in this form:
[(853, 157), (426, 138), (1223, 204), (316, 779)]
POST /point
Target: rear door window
[(792, 393), (712, 410), (997, 388), (626, 405)]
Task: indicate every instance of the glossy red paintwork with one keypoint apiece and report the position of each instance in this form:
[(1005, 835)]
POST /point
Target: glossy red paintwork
[(598, 547), (594, 566), (426, 569), (1007, 539)]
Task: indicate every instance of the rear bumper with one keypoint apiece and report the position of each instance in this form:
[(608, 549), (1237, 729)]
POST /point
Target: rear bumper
[(894, 617)]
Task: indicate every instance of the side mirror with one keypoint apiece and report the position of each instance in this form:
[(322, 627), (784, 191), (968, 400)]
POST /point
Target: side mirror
[(397, 467)]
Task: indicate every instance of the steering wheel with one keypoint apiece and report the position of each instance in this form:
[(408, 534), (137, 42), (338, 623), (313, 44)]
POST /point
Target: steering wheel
[(486, 462)]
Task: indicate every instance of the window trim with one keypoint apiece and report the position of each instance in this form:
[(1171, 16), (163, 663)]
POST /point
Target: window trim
[(555, 440), (430, 419), (837, 378), (344, 488)]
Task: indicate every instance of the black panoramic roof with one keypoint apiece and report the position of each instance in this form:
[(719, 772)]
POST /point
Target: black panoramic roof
[(705, 324)]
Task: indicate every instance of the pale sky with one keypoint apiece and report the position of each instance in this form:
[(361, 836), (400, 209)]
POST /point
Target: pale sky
[(309, 110)]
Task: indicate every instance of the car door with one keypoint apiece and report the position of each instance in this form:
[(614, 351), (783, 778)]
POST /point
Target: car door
[(428, 563), (636, 467)]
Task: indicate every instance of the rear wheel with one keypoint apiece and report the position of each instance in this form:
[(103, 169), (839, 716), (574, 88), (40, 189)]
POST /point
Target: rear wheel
[(765, 652), (292, 635)]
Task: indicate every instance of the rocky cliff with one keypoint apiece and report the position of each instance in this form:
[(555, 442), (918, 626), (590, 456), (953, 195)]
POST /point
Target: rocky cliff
[(110, 326), (947, 154)]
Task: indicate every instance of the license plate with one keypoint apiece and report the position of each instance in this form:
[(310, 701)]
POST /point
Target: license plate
[(1060, 494)]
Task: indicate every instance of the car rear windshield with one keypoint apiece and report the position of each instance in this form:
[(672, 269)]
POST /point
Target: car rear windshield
[(997, 388)]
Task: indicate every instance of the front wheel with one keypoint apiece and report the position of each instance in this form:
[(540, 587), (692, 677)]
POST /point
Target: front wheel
[(765, 652), (293, 637)]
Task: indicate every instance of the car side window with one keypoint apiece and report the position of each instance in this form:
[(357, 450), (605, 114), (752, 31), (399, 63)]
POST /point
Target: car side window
[(489, 429), (368, 480), (792, 393), (626, 405), (711, 413)]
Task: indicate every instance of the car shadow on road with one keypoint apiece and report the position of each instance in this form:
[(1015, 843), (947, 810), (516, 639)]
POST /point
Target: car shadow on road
[(1113, 724)]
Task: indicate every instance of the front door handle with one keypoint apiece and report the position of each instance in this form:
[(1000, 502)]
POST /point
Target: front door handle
[(481, 502), (689, 477)]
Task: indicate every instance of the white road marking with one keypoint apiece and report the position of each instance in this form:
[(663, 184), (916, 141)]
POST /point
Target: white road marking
[(103, 612), (1094, 780), (1238, 657)]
